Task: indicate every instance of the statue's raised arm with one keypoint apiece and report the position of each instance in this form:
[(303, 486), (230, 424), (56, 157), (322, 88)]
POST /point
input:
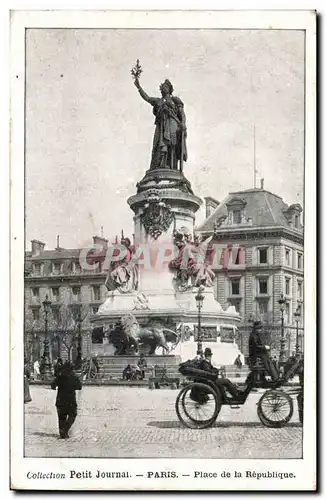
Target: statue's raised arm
[(142, 93), (169, 144)]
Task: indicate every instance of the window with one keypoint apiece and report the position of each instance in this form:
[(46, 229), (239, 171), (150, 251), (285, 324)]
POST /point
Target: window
[(94, 309), (76, 292), (55, 294), (287, 318), (75, 311), (262, 256), (36, 314), (96, 292), (299, 308), (37, 269), (235, 287), (297, 221), (287, 257), (263, 306), (76, 268), (236, 304), (262, 286), (299, 290), (56, 314), (236, 217), (300, 260), (56, 268), (287, 286), (35, 293)]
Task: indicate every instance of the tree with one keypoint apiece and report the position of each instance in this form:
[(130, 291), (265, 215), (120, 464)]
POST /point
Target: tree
[(64, 326)]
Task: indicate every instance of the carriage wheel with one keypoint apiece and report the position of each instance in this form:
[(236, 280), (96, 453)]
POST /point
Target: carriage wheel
[(275, 408), (300, 406), (198, 405)]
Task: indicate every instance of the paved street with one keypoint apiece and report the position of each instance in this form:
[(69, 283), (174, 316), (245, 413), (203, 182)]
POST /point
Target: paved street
[(137, 422)]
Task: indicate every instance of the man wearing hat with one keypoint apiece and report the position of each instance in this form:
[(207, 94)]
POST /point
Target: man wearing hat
[(223, 383), (258, 350), (206, 363)]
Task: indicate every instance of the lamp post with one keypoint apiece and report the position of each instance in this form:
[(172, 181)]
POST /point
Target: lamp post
[(79, 341), (47, 368), (282, 346), (199, 302), (297, 315)]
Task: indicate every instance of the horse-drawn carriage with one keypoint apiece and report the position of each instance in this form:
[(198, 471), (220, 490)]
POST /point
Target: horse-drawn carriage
[(199, 403)]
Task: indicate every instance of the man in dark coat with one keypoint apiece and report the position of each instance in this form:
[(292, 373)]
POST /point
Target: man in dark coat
[(142, 364), (57, 367), (224, 383), (67, 384), (258, 350)]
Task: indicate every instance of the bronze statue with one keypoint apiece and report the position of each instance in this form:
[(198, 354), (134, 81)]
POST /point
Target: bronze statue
[(191, 265), (127, 337), (169, 144), (123, 274)]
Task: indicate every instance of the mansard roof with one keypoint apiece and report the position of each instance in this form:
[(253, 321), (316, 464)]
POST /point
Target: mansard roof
[(264, 208)]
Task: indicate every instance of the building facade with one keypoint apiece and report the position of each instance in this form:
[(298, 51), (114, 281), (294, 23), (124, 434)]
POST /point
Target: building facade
[(75, 294), (269, 261), (269, 234)]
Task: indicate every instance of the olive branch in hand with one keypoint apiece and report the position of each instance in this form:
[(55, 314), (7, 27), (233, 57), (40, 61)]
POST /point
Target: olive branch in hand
[(136, 71)]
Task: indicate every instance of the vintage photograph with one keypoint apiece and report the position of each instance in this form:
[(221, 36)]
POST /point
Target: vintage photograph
[(165, 262)]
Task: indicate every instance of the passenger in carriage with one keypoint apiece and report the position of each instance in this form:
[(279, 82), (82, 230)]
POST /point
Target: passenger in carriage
[(257, 350), (223, 383), (206, 363)]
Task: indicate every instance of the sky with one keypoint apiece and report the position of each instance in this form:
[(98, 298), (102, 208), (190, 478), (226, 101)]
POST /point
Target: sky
[(89, 134)]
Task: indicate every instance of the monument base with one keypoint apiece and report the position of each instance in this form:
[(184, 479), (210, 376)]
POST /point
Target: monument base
[(224, 353), (111, 367)]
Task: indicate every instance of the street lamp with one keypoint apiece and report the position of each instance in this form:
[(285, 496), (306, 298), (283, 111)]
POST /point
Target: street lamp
[(79, 341), (282, 346), (297, 316), (47, 367), (199, 302)]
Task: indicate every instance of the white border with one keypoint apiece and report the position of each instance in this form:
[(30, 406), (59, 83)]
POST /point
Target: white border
[(304, 469)]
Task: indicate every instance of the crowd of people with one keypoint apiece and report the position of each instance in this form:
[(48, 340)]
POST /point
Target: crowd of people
[(135, 372)]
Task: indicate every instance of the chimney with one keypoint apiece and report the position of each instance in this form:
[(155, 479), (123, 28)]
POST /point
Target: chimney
[(37, 247), (99, 240), (211, 205), (58, 243), (261, 183)]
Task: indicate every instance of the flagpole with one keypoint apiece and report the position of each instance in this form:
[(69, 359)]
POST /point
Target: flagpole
[(255, 171)]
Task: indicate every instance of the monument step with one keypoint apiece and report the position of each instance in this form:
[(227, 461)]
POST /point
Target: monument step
[(133, 360)]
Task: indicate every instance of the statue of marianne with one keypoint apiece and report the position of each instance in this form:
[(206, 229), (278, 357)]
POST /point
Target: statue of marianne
[(169, 144)]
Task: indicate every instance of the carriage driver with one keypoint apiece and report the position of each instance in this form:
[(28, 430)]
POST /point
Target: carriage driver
[(257, 350)]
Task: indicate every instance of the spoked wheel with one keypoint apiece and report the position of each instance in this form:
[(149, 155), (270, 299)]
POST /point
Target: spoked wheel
[(300, 406), (198, 405), (275, 408)]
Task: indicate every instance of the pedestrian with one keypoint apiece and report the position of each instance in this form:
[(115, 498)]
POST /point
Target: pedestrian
[(127, 373), (67, 383), (275, 361), (57, 366), (27, 374), (257, 350), (238, 362), (142, 364), (37, 370)]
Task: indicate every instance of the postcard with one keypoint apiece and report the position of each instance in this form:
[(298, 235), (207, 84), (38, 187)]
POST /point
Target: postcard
[(163, 207)]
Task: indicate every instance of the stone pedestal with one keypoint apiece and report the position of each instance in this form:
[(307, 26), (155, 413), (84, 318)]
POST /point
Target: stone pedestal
[(164, 202), (159, 188)]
